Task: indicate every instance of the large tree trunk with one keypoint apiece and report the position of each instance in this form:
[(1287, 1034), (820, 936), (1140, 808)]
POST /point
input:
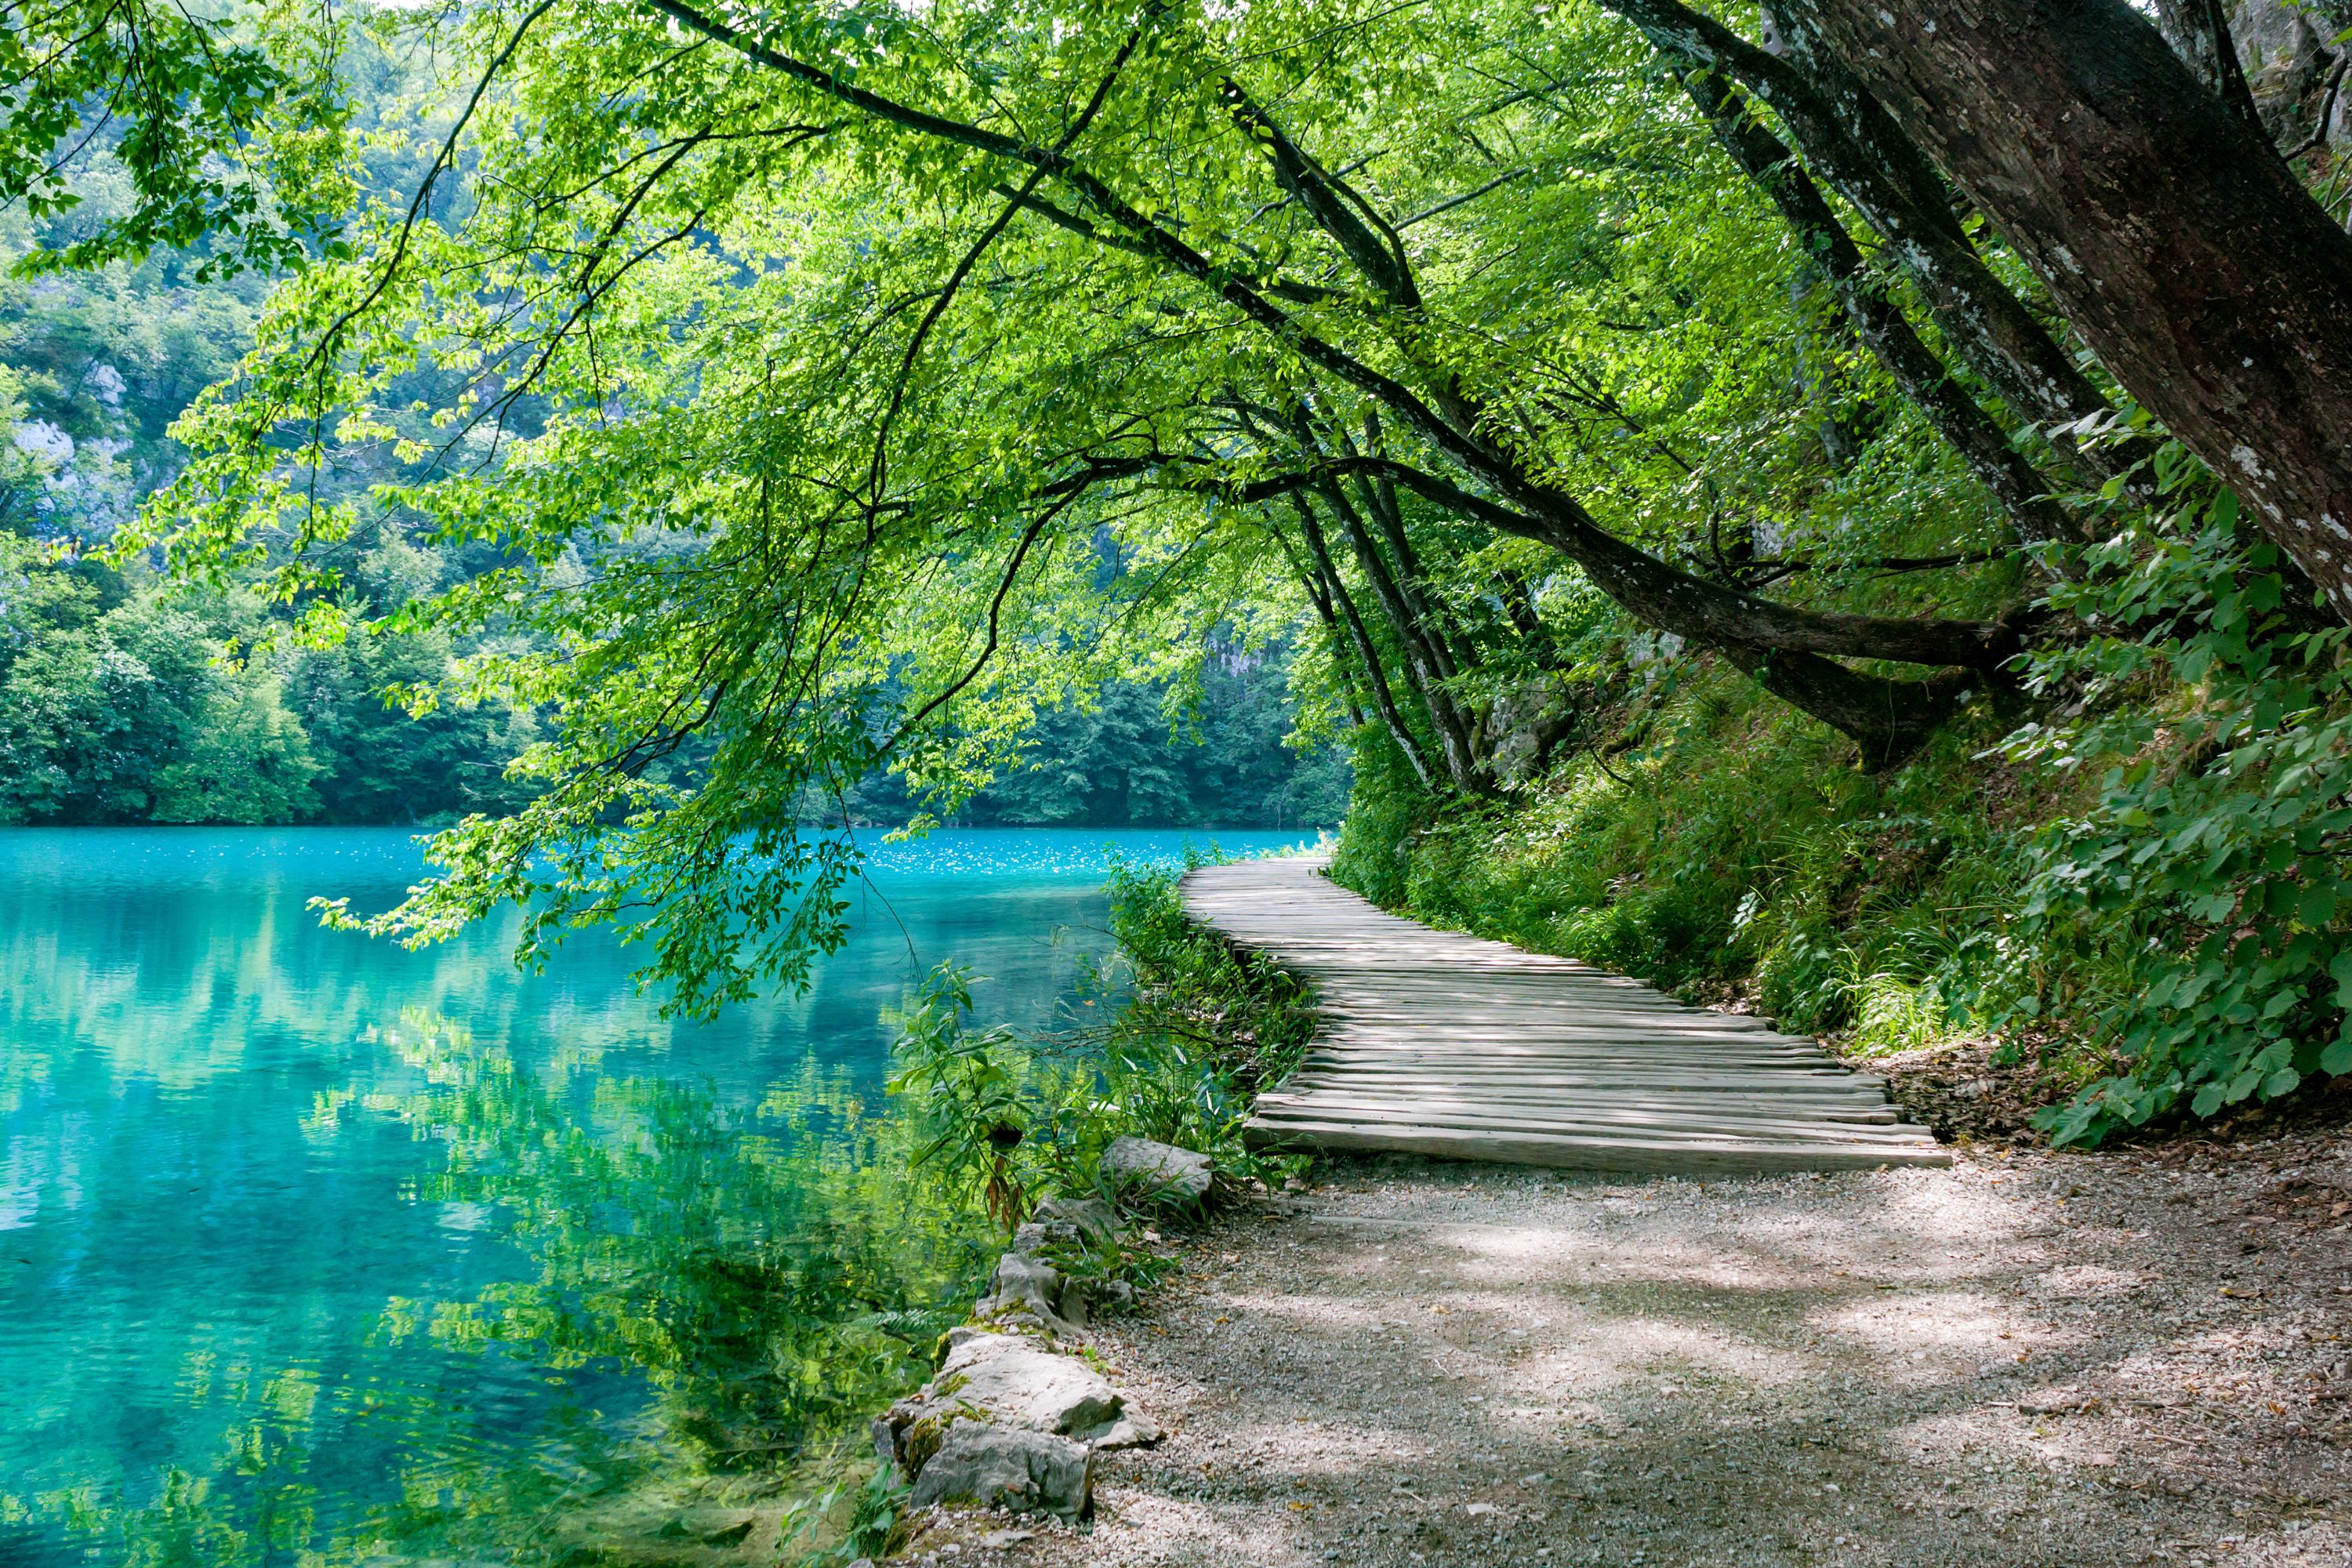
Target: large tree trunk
[(1423, 670), (1791, 651), (2169, 229), (1312, 581), (1887, 721), (1440, 412)]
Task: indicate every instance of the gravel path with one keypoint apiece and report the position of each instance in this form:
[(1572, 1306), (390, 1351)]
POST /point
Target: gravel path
[(2031, 1359)]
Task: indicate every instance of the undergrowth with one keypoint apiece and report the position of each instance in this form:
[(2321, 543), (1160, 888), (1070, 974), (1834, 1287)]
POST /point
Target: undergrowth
[(2139, 883), (996, 1121), (1837, 902), (1196, 1028)]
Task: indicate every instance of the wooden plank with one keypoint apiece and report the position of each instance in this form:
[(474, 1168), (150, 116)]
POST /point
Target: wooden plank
[(1599, 1075), (1442, 1043), (1437, 1041), (1571, 1056), (1557, 1118), (1764, 1106), (1394, 1093), (1674, 1156), (1585, 1069)]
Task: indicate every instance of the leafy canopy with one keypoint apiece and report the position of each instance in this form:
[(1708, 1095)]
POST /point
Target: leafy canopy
[(228, 127), (843, 385)]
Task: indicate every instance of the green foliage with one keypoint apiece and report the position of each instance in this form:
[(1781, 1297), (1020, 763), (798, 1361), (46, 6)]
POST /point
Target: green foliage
[(245, 759), (966, 1089), (1384, 812), (812, 436), (131, 715), (215, 136), (1204, 1025), (2195, 918), (1121, 758), (2146, 880), (876, 1521), (383, 761), (1195, 1029)]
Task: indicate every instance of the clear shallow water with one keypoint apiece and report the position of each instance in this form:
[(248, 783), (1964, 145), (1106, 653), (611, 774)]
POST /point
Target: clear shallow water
[(311, 1248)]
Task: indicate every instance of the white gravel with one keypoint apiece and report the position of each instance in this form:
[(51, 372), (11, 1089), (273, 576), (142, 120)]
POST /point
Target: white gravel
[(2124, 1358)]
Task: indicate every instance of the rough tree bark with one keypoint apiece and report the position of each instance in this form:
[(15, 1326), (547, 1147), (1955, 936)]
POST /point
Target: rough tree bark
[(1791, 652), (1888, 719), (1378, 496), (1783, 648), (1440, 414), (1312, 581), (1423, 670), (2174, 236)]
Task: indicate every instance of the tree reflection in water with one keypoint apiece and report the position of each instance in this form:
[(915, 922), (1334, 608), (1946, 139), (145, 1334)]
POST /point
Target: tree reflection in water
[(712, 1302)]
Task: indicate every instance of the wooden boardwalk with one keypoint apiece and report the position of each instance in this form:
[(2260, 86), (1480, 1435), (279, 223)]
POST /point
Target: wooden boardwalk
[(1435, 1043)]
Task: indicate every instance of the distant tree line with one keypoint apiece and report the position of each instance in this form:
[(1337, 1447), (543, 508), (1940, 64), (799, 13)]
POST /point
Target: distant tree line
[(123, 703)]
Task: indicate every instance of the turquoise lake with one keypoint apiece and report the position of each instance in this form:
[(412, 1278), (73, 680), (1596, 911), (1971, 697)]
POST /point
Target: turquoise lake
[(313, 1250)]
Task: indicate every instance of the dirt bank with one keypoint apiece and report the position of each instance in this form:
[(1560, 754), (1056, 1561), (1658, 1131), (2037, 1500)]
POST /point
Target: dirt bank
[(2133, 1357)]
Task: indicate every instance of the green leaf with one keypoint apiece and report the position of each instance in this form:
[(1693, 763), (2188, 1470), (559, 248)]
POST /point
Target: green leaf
[(2340, 970)]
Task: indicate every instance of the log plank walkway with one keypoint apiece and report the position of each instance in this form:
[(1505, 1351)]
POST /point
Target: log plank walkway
[(1436, 1043)]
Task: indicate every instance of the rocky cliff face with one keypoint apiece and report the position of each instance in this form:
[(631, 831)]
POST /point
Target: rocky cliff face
[(2296, 69)]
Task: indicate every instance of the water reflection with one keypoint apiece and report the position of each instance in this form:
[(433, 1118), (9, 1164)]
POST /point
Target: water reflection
[(311, 1251)]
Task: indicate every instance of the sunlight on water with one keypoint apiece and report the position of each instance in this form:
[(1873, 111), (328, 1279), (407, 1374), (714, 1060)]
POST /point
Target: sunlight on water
[(314, 1251)]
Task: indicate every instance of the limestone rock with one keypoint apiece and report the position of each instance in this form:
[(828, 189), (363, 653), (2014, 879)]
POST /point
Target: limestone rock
[(2284, 48), (1020, 1384), (964, 1334), (1131, 1430), (1141, 1170), (1027, 1286), (1009, 1467), (1033, 1239), (1002, 1379), (1093, 1219), (1525, 725)]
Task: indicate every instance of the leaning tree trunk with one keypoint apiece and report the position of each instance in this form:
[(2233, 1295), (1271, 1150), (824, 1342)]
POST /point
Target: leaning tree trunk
[(1312, 581), (2168, 228), (1887, 721), (1424, 667), (1876, 322), (1792, 652), (1367, 651), (1851, 144)]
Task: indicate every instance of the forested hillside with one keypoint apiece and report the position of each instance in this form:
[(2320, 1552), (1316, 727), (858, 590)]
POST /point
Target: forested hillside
[(1841, 509), (126, 699)]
